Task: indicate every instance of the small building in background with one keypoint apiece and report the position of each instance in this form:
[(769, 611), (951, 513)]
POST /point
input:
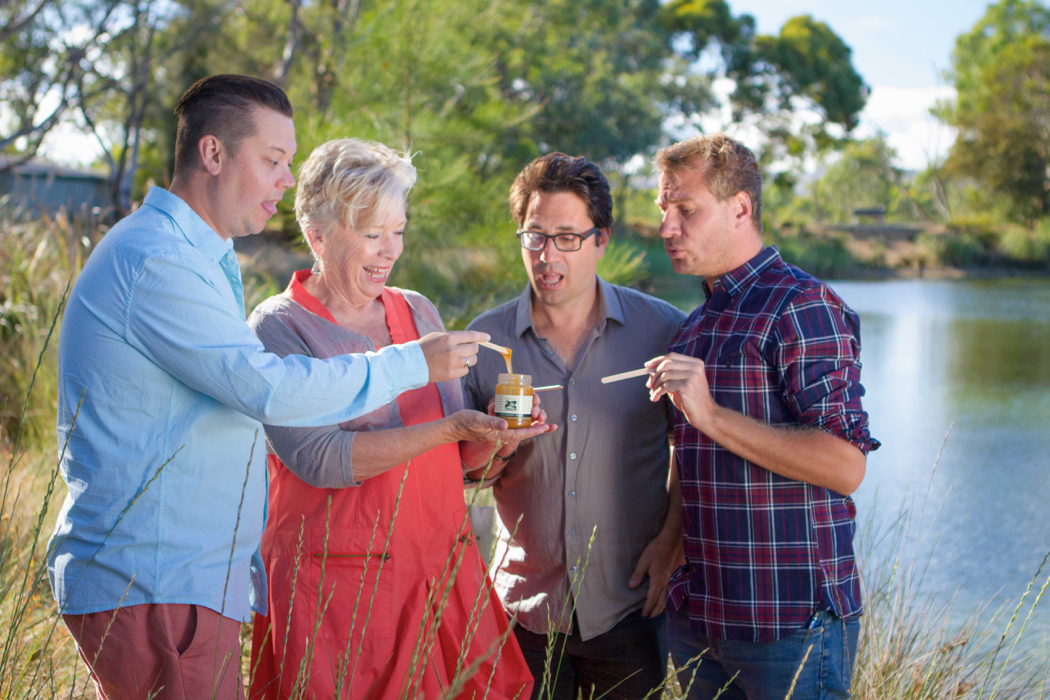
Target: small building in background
[(870, 215), (40, 186)]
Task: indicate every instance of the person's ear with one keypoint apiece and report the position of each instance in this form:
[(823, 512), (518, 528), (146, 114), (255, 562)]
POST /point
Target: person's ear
[(212, 154), (315, 239), (602, 240), (742, 208)]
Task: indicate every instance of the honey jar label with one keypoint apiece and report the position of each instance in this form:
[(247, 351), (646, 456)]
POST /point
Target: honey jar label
[(513, 405)]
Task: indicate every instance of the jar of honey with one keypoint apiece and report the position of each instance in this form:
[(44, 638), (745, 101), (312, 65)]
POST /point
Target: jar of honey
[(514, 399)]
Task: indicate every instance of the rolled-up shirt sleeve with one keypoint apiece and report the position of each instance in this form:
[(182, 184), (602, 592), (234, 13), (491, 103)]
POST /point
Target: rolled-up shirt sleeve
[(185, 325), (817, 357)]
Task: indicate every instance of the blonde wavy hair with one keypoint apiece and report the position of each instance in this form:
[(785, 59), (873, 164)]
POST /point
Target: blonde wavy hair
[(728, 166), (350, 183)]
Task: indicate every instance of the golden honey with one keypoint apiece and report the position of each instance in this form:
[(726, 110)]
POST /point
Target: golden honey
[(514, 399)]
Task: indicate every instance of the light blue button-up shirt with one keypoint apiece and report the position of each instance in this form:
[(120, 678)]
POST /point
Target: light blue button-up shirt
[(173, 381)]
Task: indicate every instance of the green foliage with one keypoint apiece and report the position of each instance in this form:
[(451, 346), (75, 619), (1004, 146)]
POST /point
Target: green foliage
[(814, 62), (1001, 72), (805, 65), (824, 256), (1028, 244), (862, 175), (623, 263), (38, 258), (474, 89), (708, 21), (805, 60), (955, 248)]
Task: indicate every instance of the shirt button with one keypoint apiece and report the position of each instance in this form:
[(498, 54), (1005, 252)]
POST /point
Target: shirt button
[(574, 418), (572, 569), (572, 455), (550, 353), (572, 382), (572, 533), (572, 494)]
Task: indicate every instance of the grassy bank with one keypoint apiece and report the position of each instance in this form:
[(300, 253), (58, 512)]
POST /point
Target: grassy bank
[(911, 647)]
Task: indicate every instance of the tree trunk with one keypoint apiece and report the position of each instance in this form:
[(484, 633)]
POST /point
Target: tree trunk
[(291, 43), (1045, 198)]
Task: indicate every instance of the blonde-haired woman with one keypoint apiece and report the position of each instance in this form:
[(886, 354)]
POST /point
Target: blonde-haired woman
[(386, 591)]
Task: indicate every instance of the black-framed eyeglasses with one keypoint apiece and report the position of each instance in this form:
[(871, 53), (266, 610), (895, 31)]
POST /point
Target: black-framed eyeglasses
[(565, 242)]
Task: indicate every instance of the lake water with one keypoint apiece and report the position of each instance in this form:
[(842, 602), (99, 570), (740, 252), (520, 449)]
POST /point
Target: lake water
[(976, 353)]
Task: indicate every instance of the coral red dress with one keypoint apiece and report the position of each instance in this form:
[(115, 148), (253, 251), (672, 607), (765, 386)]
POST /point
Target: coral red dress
[(426, 612)]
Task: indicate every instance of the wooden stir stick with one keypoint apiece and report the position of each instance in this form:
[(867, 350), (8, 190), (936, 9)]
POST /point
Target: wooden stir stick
[(492, 346), (625, 375)]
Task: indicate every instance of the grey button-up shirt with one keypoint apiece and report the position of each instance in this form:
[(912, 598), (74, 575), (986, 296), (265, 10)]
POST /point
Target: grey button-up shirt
[(603, 471)]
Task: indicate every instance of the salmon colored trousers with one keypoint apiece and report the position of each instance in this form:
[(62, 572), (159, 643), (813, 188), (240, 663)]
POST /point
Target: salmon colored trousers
[(386, 596), (161, 651)]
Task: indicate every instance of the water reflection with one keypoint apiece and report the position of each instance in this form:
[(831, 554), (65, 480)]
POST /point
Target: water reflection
[(994, 354), (978, 354)]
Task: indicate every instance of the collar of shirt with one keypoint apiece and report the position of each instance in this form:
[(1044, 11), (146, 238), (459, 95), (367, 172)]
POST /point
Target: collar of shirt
[(732, 283), (297, 293), (609, 308), (200, 235)]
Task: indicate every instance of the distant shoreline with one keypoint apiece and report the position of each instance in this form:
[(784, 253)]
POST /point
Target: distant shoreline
[(874, 274)]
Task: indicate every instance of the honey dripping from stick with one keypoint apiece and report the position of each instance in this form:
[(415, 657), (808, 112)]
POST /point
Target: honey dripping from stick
[(507, 352)]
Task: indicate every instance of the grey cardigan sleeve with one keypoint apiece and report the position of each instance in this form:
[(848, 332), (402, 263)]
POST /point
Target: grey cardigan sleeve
[(322, 457)]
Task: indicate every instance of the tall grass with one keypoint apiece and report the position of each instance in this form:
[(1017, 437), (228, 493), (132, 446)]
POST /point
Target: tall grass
[(911, 646), (38, 258)]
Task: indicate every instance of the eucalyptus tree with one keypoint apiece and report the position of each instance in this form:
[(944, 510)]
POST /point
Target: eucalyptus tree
[(1001, 73), (36, 82), (799, 87)]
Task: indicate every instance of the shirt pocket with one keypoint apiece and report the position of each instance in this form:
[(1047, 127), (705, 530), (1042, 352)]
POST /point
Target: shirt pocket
[(740, 377), (354, 579)]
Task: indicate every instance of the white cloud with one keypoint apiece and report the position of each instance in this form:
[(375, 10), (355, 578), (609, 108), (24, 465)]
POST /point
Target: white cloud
[(903, 115)]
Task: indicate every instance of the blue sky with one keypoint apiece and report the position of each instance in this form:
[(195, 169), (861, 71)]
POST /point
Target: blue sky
[(900, 48), (895, 42)]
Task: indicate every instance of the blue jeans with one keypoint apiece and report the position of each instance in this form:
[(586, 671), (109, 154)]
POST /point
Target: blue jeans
[(764, 671)]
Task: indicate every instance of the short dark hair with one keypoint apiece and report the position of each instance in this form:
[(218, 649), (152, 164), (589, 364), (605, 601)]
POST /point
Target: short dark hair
[(221, 106), (557, 172)]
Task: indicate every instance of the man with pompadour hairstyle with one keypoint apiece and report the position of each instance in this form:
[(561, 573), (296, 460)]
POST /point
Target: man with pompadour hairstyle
[(607, 470), (163, 390), (770, 441)]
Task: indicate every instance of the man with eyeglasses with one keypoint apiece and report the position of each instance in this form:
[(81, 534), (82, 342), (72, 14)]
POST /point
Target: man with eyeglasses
[(607, 472)]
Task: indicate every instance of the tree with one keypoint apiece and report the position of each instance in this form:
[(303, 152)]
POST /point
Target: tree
[(1001, 73), (31, 75), (806, 67), (863, 176), (122, 89)]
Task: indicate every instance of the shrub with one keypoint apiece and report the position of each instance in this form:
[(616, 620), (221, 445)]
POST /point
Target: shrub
[(952, 248)]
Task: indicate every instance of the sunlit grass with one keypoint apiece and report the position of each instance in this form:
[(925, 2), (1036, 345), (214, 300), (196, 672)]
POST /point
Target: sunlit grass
[(911, 647)]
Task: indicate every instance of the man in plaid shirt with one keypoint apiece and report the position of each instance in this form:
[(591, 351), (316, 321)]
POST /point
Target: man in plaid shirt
[(770, 440)]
